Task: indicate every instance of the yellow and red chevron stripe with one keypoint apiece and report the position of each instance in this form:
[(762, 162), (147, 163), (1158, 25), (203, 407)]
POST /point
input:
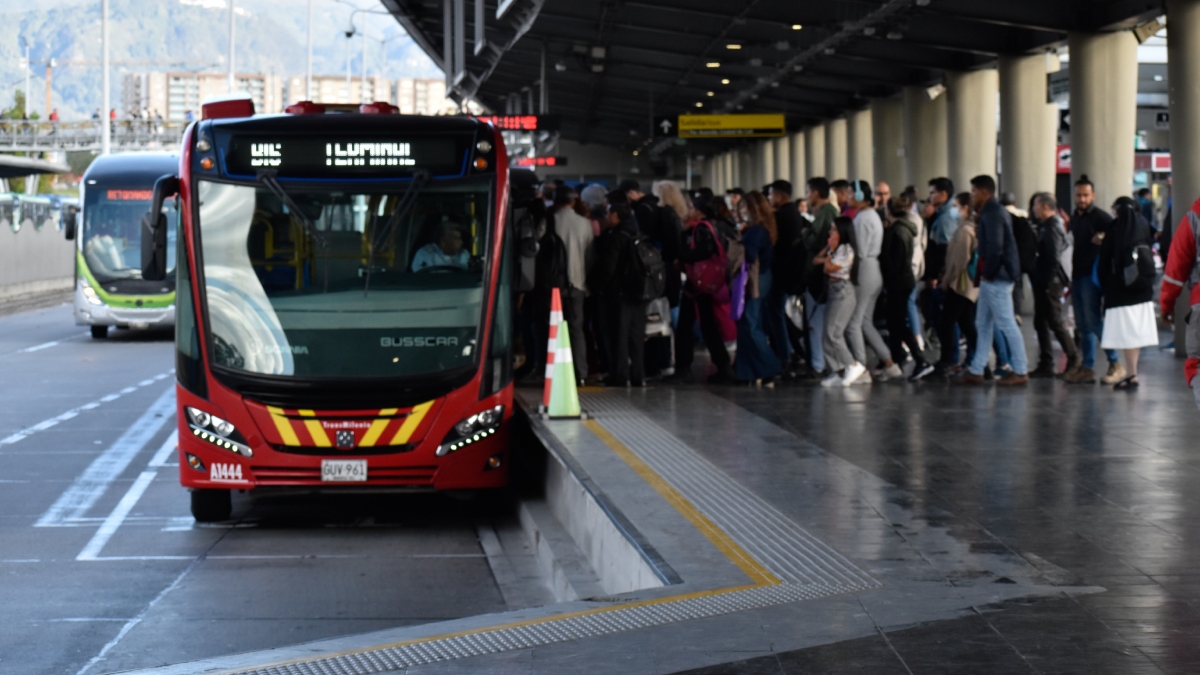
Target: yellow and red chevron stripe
[(309, 428)]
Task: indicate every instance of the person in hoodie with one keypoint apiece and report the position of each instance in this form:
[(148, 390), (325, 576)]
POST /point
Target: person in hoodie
[(899, 280), (1047, 281), (998, 268), (1182, 271), (868, 234)]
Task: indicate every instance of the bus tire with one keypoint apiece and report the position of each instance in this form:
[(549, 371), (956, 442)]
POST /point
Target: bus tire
[(99, 332), (211, 506)]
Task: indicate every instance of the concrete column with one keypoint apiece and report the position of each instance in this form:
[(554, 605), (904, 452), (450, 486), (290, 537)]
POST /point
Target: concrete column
[(926, 153), (799, 164), (887, 135), (730, 181), (837, 153), (1183, 75), (1104, 111), (783, 158), (767, 153), (1027, 137), (735, 169), (814, 151), (861, 162), (971, 107)]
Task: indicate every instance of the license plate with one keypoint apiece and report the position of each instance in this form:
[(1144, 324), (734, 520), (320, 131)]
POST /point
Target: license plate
[(344, 470)]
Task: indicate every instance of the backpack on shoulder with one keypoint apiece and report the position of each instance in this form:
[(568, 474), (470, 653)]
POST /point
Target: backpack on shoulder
[(551, 262), (1027, 244), (648, 276)]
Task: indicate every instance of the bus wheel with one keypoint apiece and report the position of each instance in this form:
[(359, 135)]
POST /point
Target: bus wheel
[(210, 506), (99, 332)]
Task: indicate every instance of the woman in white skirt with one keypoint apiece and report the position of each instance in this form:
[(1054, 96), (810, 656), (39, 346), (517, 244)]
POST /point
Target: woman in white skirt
[(1126, 271)]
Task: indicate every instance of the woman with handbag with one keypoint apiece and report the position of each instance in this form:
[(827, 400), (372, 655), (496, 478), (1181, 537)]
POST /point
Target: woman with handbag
[(702, 258), (756, 362), (1126, 271), (958, 282)]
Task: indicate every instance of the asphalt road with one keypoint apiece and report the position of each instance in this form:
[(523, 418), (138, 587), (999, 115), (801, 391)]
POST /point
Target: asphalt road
[(102, 568)]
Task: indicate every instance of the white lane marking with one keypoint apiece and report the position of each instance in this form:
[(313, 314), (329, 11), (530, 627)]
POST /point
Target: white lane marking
[(94, 481), (129, 625), (74, 412), (114, 520), (38, 348), (21, 560), (166, 451)]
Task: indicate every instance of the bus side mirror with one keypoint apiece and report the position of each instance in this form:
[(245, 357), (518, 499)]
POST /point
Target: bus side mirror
[(70, 218), (154, 230)]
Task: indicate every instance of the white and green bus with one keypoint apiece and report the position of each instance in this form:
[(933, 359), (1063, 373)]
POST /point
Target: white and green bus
[(114, 194)]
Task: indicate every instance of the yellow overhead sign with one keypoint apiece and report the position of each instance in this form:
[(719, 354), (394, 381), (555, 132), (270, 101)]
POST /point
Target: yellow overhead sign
[(731, 126)]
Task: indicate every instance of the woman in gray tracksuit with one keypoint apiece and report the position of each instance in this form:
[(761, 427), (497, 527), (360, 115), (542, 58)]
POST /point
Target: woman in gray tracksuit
[(868, 231)]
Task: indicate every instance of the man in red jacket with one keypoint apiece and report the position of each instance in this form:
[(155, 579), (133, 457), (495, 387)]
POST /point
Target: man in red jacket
[(1183, 268)]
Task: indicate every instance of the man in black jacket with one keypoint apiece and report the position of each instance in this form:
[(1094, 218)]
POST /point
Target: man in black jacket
[(1088, 227), (625, 318), (1047, 280), (998, 268), (787, 254)]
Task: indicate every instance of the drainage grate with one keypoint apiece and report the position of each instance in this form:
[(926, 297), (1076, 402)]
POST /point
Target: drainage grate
[(595, 623)]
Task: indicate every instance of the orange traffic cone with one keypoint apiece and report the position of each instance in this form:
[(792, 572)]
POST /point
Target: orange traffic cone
[(560, 398)]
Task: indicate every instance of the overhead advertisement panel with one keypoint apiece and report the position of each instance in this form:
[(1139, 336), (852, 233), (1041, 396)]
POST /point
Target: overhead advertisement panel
[(732, 126)]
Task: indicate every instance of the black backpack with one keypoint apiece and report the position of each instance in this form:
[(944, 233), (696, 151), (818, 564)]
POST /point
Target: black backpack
[(551, 264), (648, 272), (1027, 244), (526, 249)]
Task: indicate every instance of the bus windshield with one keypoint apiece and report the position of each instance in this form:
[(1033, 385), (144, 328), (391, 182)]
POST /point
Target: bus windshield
[(112, 222), (351, 287)]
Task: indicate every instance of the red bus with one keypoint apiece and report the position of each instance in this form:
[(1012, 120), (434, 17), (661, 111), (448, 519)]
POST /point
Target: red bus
[(344, 301)]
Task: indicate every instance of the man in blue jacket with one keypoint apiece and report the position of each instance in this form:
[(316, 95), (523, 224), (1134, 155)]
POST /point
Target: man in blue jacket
[(998, 268)]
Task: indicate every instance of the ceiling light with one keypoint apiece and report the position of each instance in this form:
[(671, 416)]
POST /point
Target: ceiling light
[(829, 51), (597, 67), (725, 81), (797, 26), (869, 31), (1158, 78), (775, 85), (635, 152), (895, 35), (733, 46), (798, 68), (598, 52), (757, 63), (783, 45), (711, 94), (713, 64), (560, 66), (699, 104)]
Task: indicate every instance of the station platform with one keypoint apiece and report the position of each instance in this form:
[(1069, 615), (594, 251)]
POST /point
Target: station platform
[(882, 529)]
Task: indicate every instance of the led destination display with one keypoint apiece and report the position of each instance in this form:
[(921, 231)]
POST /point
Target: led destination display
[(344, 156)]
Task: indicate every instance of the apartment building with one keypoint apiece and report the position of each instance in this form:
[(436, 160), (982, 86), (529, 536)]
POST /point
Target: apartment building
[(174, 95), (337, 89)]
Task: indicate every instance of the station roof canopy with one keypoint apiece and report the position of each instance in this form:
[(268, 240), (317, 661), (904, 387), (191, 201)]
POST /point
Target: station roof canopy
[(12, 166), (612, 66)]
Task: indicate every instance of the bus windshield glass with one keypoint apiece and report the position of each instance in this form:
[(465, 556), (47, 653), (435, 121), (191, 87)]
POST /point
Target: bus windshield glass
[(112, 222), (364, 282)]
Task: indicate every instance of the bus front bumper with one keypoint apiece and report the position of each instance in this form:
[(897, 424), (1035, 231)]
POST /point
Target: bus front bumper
[(138, 318)]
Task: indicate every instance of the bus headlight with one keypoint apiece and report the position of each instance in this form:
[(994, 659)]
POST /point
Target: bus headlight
[(208, 427), (471, 430), (89, 292)]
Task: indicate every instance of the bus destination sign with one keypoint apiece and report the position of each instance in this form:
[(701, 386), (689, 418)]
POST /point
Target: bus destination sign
[(344, 156)]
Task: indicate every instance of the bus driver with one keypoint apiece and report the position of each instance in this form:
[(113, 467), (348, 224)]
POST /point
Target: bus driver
[(446, 251)]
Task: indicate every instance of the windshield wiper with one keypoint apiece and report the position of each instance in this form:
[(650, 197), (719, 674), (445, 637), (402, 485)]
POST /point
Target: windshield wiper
[(268, 179), (407, 200)]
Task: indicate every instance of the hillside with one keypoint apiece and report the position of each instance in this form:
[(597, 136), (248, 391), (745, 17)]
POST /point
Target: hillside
[(185, 35)]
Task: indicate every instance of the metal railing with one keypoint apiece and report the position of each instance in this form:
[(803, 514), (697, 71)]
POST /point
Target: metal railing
[(38, 135)]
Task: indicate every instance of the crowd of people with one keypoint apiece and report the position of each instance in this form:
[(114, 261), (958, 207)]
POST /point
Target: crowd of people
[(843, 284)]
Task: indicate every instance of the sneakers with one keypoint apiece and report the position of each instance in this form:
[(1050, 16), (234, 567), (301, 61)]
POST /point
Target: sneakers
[(1012, 380), (1116, 373), (1043, 370), (831, 380), (920, 371), (853, 372), (1080, 375), (891, 372)]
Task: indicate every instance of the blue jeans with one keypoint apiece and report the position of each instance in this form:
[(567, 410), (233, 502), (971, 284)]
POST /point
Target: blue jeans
[(994, 313), (914, 314), (816, 332), (1089, 319)]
